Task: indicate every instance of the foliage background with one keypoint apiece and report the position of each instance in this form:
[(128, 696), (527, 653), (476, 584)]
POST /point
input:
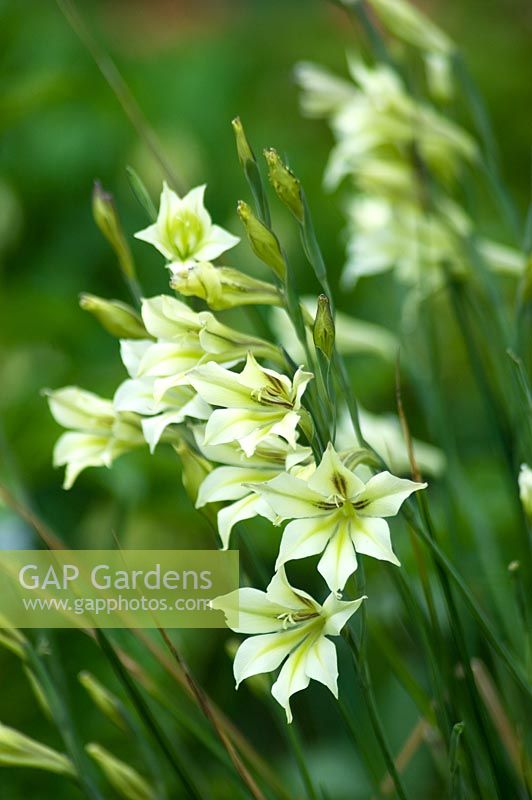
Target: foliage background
[(192, 66)]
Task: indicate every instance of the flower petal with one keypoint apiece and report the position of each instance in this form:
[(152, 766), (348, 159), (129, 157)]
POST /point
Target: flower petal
[(250, 611), (167, 318), (305, 537), (132, 352), (291, 498), (245, 508), (371, 536), (384, 495), (217, 242), (226, 483), (264, 653), (339, 560), (221, 387), (76, 408), (332, 478), (282, 593), (322, 664), (292, 678), (337, 612), (137, 395)]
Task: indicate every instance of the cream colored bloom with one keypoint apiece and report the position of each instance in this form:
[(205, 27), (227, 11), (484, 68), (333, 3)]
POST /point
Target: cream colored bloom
[(183, 339), (145, 393), (224, 287), (335, 513), (184, 232), (98, 434), (525, 488), (379, 123), (253, 404), (395, 234), (293, 628), (229, 482)]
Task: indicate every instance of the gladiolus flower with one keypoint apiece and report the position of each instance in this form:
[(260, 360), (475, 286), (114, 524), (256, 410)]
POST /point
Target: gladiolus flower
[(183, 231), (293, 628), (253, 404), (337, 514)]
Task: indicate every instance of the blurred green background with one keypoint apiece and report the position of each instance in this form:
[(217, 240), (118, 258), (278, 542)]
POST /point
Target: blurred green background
[(192, 65)]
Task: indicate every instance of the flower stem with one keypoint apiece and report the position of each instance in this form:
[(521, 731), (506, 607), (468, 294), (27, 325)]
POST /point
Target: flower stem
[(376, 723)]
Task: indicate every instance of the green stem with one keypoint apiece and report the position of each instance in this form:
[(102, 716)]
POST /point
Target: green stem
[(63, 720), (189, 786), (363, 675), (121, 90), (484, 624)]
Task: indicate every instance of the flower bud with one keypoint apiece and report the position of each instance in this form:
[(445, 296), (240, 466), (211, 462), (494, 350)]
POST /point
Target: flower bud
[(263, 241), (117, 318), (245, 153), (11, 638), (38, 691), (525, 488), (195, 468), (286, 185), (106, 218), (224, 287), (323, 331), (105, 700), (18, 750), (124, 779)]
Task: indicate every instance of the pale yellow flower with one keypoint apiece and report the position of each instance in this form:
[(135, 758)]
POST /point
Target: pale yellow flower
[(183, 231), (335, 513), (253, 404), (292, 628)]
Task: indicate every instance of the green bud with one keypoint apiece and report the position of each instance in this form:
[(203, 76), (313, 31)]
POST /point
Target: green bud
[(106, 218), (124, 779), (287, 186), (117, 318), (195, 468), (18, 750), (12, 639), (105, 700), (38, 691), (263, 241), (323, 330), (245, 153)]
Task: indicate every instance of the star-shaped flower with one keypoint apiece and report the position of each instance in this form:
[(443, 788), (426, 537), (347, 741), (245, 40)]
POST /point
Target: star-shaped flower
[(183, 231), (293, 628), (336, 513), (253, 404)]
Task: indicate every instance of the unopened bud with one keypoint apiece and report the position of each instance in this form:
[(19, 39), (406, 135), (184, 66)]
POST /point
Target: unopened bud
[(323, 330), (103, 699), (106, 218), (124, 779), (195, 468), (12, 639), (287, 186), (18, 750), (117, 318), (263, 241), (245, 153), (38, 691)]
